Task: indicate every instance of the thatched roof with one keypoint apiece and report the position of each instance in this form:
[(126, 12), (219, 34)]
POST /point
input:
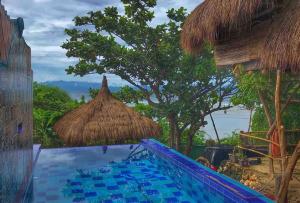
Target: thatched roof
[(282, 45), (250, 28), (104, 120)]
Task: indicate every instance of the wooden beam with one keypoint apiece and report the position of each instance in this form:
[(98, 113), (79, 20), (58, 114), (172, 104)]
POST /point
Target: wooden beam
[(257, 152), (259, 138)]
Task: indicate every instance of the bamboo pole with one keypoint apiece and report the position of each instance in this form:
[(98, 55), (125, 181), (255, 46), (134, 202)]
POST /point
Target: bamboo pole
[(250, 120), (257, 152), (214, 125), (279, 124), (259, 138)]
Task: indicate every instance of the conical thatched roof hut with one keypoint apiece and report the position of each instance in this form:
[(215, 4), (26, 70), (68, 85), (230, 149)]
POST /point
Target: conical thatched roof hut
[(104, 120), (256, 33)]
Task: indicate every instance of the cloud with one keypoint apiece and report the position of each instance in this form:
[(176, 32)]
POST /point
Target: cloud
[(45, 21)]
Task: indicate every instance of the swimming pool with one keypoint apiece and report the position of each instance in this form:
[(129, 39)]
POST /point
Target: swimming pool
[(147, 172)]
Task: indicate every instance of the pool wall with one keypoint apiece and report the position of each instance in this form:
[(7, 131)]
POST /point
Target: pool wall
[(15, 109), (199, 177)]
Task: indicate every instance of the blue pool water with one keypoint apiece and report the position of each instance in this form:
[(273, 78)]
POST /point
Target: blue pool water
[(148, 172)]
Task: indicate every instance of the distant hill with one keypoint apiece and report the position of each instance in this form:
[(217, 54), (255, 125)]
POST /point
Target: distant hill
[(77, 89)]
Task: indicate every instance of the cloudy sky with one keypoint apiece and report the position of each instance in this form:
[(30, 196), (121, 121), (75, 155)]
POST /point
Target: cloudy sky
[(45, 21)]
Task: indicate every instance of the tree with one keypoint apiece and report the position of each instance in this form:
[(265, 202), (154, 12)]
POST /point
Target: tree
[(182, 88), (49, 104), (274, 116)]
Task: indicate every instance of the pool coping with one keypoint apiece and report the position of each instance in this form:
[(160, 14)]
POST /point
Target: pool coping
[(215, 180), (36, 149)]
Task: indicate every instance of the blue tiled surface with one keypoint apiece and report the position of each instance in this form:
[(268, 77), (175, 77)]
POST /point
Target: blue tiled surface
[(153, 173), (183, 169)]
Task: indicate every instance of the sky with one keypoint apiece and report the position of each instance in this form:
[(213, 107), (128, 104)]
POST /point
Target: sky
[(45, 21)]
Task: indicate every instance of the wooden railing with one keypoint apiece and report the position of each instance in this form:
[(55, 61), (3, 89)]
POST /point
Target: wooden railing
[(247, 139)]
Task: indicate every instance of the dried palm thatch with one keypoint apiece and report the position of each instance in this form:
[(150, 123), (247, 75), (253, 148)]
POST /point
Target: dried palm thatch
[(104, 119), (282, 46), (214, 19), (263, 32)]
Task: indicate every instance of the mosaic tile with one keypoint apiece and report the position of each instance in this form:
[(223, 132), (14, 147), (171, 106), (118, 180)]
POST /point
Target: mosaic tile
[(148, 177)]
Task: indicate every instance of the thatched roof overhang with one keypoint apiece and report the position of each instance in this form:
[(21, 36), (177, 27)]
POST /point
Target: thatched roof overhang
[(104, 120), (246, 30)]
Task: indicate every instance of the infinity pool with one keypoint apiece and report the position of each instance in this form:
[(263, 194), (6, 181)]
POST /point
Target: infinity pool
[(148, 172)]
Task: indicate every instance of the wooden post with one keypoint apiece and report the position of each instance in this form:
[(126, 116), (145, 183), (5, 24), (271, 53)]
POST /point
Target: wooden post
[(279, 124), (288, 175), (282, 195)]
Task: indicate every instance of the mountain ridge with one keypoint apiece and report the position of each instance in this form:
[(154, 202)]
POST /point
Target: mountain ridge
[(76, 89)]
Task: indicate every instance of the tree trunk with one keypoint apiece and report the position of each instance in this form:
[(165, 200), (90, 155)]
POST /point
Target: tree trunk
[(271, 129), (266, 108), (192, 131), (177, 138), (174, 135), (288, 175), (172, 131), (189, 145)]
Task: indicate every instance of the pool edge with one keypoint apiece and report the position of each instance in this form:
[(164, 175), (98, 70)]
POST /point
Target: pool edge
[(255, 194)]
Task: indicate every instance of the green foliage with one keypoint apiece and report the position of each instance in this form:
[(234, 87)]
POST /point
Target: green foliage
[(249, 87), (126, 94), (199, 138), (146, 110), (49, 98), (93, 92), (49, 104), (259, 121), (233, 139), (129, 95), (290, 118), (150, 58), (164, 124)]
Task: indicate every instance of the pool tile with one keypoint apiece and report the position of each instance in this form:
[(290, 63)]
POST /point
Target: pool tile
[(117, 176), (145, 184), (177, 194), (132, 200), (90, 194), (114, 187), (98, 178), (99, 185), (152, 192), (75, 183), (171, 200), (123, 182), (117, 196), (75, 191), (78, 199)]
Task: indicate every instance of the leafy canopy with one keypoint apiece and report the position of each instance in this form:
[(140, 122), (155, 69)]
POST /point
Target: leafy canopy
[(49, 104), (150, 58)]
